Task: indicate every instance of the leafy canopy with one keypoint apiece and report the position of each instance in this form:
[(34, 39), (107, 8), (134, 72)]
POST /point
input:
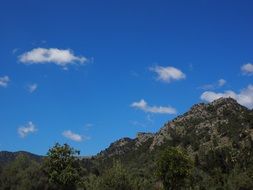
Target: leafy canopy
[(174, 168)]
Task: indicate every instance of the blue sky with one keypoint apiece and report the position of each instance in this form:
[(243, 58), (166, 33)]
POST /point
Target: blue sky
[(90, 72)]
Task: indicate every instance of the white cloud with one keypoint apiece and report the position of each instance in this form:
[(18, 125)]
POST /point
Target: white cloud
[(244, 97), (143, 105), (74, 136), (61, 57), (23, 131), (168, 74), (32, 87), (4, 81), (218, 84), (221, 82), (247, 69)]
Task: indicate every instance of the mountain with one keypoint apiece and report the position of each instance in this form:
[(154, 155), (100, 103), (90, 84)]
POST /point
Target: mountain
[(222, 122), (7, 157), (216, 135)]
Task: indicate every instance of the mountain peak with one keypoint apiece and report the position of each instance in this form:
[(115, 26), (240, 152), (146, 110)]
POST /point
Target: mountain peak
[(223, 100)]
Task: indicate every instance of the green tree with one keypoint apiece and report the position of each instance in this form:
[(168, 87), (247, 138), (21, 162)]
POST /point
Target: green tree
[(115, 178), (23, 174), (174, 168), (62, 166)]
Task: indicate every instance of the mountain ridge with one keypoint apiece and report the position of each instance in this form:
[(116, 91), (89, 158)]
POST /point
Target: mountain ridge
[(203, 118)]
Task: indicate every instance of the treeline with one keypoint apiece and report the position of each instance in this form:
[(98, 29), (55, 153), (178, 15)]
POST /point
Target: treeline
[(172, 169)]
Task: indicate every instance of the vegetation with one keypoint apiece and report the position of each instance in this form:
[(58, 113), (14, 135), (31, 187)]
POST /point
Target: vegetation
[(62, 167), (174, 169)]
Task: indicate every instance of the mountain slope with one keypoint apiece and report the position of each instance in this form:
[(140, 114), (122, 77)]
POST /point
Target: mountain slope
[(223, 122), (218, 136), (7, 157)]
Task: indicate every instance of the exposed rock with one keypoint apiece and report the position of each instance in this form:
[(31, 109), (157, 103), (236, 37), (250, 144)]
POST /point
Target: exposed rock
[(142, 138), (202, 118), (119, 147)]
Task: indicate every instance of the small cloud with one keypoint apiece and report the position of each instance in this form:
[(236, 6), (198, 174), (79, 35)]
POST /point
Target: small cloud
[(4, 81), (221, 82), (168, 74), (32, 87), (23, 131), (247, 69), (218, 84), (74, 136), (60, 57), (244, 97), (142, 105)]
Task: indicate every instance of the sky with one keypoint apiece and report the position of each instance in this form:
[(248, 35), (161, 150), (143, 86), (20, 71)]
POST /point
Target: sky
[(88, 72)]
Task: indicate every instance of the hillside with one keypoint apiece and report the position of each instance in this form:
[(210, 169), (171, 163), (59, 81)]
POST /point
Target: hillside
[(223, 122), (7, 157), (218, 136)]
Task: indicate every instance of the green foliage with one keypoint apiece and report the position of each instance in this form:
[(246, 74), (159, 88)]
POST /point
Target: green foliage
[(115, 178), (174, 168), (23, 174), (62, 166)]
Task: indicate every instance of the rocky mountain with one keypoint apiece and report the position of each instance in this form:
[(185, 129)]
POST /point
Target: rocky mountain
[(222, 123)]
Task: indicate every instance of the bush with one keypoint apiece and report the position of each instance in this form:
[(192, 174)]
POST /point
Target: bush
[(174, 168)]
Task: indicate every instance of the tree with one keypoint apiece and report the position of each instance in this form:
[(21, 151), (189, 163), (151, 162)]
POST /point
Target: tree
[(62, 166), (23, 174), (115, 178), (174, 168)]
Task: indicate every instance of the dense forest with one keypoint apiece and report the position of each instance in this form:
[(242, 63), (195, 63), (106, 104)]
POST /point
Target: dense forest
[(209, 147)]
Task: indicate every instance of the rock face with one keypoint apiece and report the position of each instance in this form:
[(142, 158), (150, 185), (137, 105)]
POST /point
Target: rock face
[(125, 145), (118, 147), (142, 138), (205, 122)]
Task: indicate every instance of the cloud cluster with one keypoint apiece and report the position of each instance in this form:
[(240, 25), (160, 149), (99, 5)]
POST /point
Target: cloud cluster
[(4, 81), (168, 74), (247, 69), (60, 57), (72, 136), (244, 97), (143, 105), (23, 131)]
